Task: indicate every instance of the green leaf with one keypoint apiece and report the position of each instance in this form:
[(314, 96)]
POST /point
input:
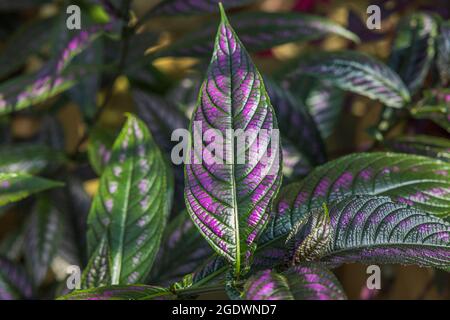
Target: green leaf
[(17, 186), (259, 31), (132, 204), (99, 148), (304, 282), (433, 147), (183, 249), (14, 282), (97, 272), (413, 49), (371, 229), (29, 158), (355, 72), (43, 235), (130, 292), (414, 180)]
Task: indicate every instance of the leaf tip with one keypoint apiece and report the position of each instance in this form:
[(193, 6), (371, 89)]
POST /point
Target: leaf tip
[(223, 15)]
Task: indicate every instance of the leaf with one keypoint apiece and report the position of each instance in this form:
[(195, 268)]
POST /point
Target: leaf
[(228, 200), (309, 239), (43, 235), (376, 230), (296, 125), (211, 270), (52, 79), (259, 31), (183, 249), (132, 204), (11, 246), (29, 158), (182, 7), (433, 147), (14, 282), (11, 5), (97, 272), (130, 292), (99, 148), (160, 116), (434, 106), (413, 49), (355, 72), (419, 181), (305, 282), (23, 43), (17, 186), (443, 52)]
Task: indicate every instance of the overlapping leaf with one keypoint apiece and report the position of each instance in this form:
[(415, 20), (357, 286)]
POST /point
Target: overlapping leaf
[(414, 180), (226, 197), (29, 158), (304, 282), (14, 282), (99, 148), (413, 49), (97, 272), (43, 236), (429, 146), (259, 31), (376, 230), (183, 249), (355, 72), (132, 204), (17, 186), (52, 79), (434, 106), (183, 7), (296, 124), (131, 292)]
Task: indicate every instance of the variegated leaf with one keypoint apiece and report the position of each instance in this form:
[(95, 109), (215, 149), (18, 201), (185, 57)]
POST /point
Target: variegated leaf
[(228, 192), (259, 31), (410, 179), (310, 237), (43, 235), (413, 49), (303, 282), (17, 186), (355, 72), (14, 281), (132, 204), (433, 147), (130, 292), (376, 230), (99, 148), (97, 273), (29, 158), (183, 7)]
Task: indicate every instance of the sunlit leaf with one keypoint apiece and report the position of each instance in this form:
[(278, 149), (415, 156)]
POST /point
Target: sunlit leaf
[(376, 230), (355, 72), (227, 200), (132, 204), (410, 179)]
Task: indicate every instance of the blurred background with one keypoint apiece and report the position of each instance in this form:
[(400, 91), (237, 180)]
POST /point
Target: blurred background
[(32, 31)]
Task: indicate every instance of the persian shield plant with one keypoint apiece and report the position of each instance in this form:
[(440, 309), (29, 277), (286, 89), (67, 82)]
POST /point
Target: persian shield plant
[(226, 175)]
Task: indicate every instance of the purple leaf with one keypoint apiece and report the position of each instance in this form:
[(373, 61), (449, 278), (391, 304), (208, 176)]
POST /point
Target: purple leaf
[(226, 197), (376, 230), (14, 282), (303, 282), (187, 7)]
